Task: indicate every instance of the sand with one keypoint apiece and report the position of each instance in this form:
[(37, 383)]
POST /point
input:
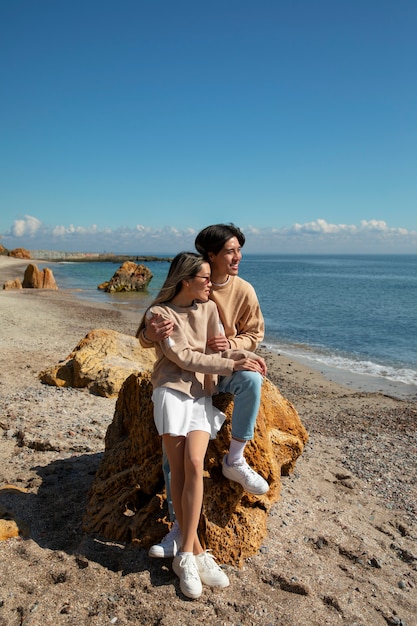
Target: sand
[(341, 544)]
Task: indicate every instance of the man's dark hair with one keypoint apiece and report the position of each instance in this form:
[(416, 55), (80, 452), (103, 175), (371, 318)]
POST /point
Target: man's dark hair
[(212, 238)]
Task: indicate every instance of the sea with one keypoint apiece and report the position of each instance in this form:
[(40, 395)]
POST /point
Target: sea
[(353, 317)]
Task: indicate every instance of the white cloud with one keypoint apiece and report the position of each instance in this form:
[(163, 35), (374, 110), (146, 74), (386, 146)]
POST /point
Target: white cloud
[(321, 226), (28, 226), (318, 236), (61, 231)]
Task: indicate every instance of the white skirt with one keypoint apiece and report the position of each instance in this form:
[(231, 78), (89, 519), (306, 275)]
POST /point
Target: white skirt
[(177, 414)]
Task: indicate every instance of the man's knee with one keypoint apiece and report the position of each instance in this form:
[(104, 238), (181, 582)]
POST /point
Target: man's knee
[(242, 382)]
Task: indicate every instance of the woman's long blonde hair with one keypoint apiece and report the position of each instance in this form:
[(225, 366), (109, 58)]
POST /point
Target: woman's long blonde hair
[(184, 265)]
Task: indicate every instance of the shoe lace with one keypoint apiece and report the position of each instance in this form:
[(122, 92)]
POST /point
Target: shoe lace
[(190, 567), (246, 469), (209, 560)]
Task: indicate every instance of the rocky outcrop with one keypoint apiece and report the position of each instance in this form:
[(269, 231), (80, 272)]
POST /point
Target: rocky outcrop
[(19, 253), (101, 361), (127, 499), (129, 277), (36, 279), (13, 284)]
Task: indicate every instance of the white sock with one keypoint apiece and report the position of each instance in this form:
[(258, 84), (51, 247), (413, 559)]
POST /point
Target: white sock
[(236, 452), (185, 554)]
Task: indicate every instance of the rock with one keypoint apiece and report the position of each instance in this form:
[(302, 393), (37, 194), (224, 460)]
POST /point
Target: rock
[(101, 362), (8, 529), (10, 526), (19, 253), (129, 277), (13, 284), (127, 499), (3, 250), (32, 277), (36, 279), (48, 279)]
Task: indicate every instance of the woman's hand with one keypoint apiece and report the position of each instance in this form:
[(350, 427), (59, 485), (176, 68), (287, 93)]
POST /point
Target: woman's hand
[(251, 364)]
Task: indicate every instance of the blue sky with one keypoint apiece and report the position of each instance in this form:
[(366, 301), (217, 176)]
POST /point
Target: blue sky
[(128, 126)]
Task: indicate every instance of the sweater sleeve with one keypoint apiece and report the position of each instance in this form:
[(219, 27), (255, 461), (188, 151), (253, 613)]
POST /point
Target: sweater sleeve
[(250, 329), (144, 342)]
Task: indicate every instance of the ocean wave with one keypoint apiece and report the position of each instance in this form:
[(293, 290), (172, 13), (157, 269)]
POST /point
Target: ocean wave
[(407, 376)]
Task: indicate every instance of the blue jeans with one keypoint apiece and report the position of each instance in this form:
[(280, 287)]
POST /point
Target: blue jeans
[(167, 478), (246, 388)]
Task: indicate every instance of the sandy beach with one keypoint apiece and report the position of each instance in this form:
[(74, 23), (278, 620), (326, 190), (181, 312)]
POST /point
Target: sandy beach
[(342, 540)]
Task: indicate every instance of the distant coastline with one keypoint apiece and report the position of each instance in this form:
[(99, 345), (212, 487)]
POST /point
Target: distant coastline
[(82, 257)]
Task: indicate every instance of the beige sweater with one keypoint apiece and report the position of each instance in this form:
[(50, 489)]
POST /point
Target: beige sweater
[(182, 361), (240, 313)]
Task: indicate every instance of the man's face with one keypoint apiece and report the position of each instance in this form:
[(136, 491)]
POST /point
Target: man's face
[(227, 260)]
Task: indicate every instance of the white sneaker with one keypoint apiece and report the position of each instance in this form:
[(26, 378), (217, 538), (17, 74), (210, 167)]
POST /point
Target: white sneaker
[(210, 573), (185, 567), (170, 544), (243, 474)]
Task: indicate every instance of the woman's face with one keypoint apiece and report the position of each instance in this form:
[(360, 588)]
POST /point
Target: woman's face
[(200, 286)]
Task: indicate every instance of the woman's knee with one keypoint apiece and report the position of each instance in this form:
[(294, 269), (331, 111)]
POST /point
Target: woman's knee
[(194, 464)]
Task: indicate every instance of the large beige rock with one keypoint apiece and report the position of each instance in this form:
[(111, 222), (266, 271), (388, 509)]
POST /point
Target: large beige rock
[(101, 362), (36, 279), (129, 277), (127, 499)]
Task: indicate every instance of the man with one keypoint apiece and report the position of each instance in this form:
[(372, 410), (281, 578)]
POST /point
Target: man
[(243, 328)]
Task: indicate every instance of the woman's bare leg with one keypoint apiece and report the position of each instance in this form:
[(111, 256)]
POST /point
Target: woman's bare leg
[(186, 460), (192, 495)]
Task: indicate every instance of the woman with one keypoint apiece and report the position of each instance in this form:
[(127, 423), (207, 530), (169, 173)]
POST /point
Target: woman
[(184, 378)]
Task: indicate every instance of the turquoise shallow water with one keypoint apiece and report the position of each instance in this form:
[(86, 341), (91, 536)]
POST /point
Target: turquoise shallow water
[(354, 313)]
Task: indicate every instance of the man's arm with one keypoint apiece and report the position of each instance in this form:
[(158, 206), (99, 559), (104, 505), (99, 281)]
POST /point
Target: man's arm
[(156, 329)]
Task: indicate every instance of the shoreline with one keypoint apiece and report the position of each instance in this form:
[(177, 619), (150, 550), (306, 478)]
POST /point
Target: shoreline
[(360, 382)]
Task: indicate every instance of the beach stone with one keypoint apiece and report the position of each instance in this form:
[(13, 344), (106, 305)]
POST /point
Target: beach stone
[(101, 362), (13, 284), (19, 253), (8, 529), (48, 279), (129, 277), (10, 525), (36, 279), (127, 499)]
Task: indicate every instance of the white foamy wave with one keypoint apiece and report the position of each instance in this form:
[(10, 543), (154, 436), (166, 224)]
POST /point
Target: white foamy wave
[(403, 375), (369, 368)]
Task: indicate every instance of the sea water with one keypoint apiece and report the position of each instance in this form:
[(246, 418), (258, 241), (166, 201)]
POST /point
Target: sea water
[(356, 313)]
